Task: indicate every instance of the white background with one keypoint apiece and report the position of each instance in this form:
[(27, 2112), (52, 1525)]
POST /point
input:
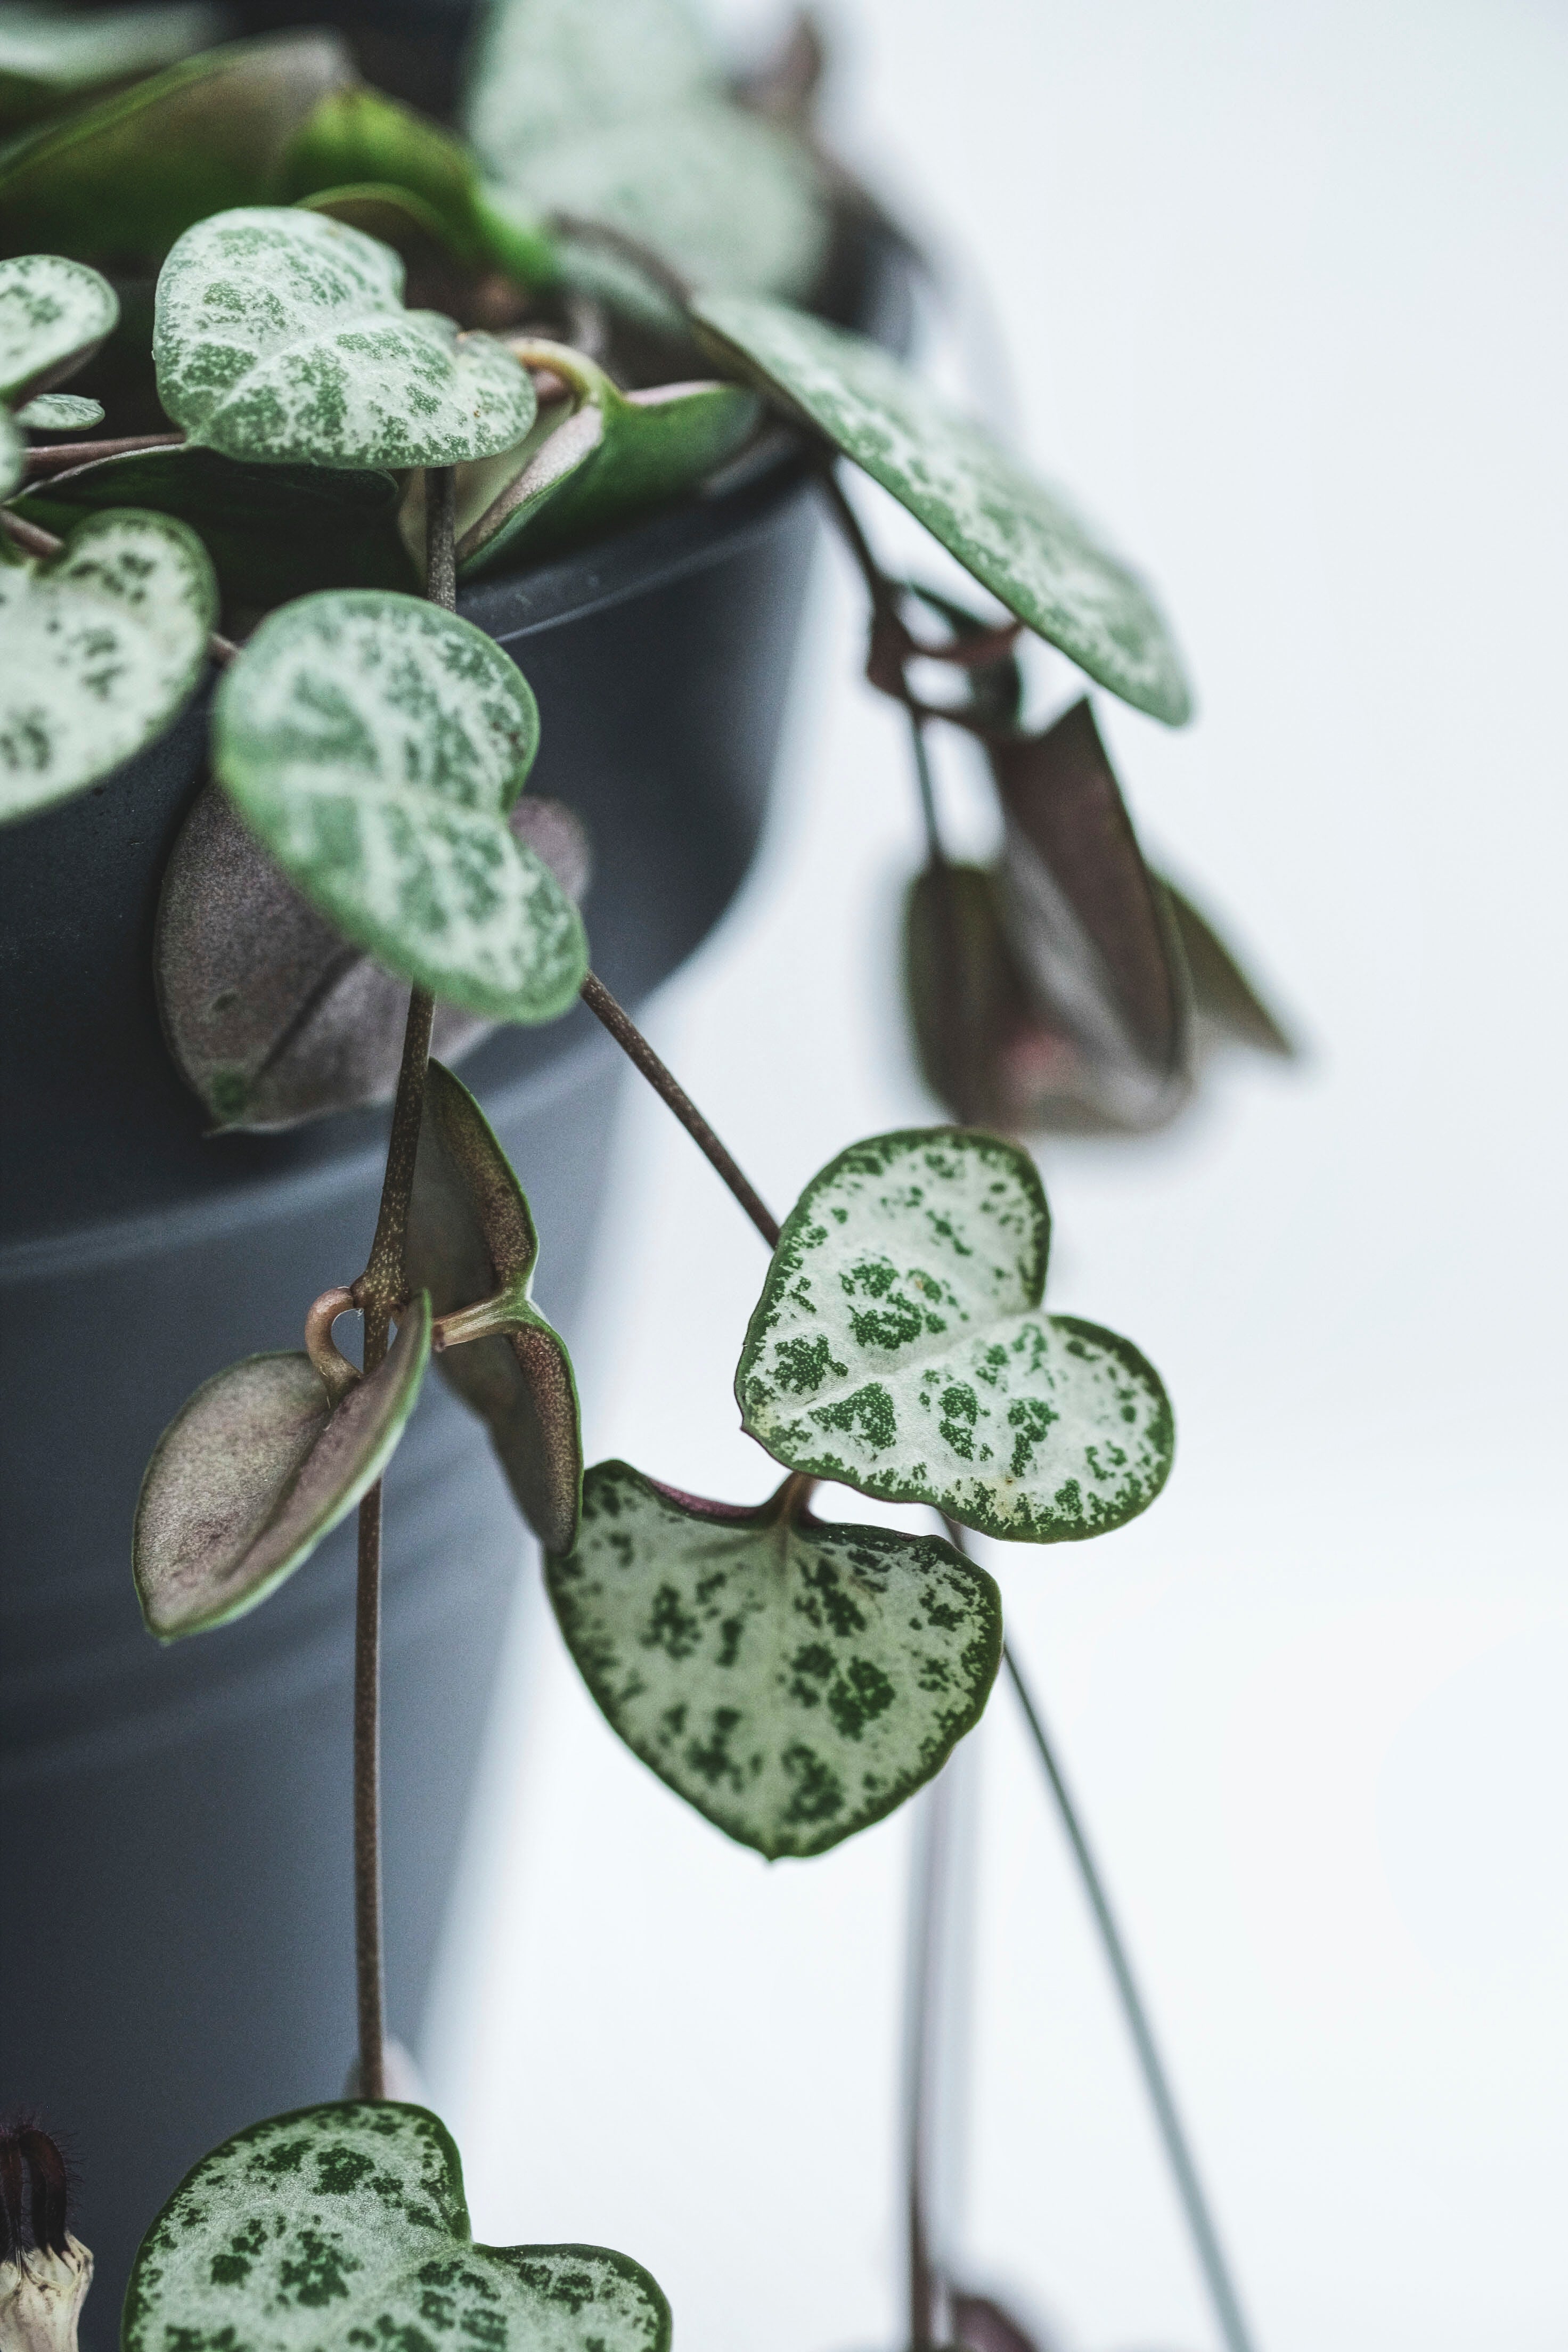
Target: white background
[(1282, 289)]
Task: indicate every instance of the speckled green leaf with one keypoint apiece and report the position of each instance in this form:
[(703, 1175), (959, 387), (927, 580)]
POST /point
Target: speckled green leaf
[(1228, 1007), (345, 2226), (357, 137), (793, 1681), (898, 1346), (609, 457), (272, 531), (122, 177), (472, 1245), (100, 647), (49, 59), (271, 1017), (376, 743), (1018, 538), (544, 70), (280, 337), (255, 1470), (13, 449), (54, 314), (61, 412)]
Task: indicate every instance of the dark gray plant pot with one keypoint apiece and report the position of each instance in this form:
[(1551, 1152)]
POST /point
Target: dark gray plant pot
[(177, 1946)]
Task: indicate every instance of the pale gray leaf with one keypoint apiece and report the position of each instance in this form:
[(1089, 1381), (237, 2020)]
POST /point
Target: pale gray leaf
[(13, 449), (545, 70), (47, 56), (60, 411), (54, 314)]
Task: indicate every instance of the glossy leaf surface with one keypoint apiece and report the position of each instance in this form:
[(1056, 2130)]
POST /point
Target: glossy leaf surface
[(271, 1016), (1018, 537), (100, 646), (253, 1473), (280, 338), (1228, 1007), (48, 60), (375, 744), (60, 411), (272, 531), (122, 178), (611, 456), (898, 1346), (545, 70), (793, 1681), (471, 1240), (54, 314), (346, 2225)]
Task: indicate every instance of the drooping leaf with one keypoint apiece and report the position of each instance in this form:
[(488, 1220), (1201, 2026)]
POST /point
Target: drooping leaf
[(281, 338), (122, 178), (472, 1243), (793, 1681), (1088, 925), (1018, 538), (61, 412), (375, 744), (898, 1346), (357, 137), (272, 531), (545, 70), (255, 1470), (346, 2225), (49, 59), (100, 646), (271, 1017), (1226, 1006), (54, 314), (609, 457)]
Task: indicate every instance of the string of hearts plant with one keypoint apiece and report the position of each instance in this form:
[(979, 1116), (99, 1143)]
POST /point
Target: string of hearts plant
[(368, 877)]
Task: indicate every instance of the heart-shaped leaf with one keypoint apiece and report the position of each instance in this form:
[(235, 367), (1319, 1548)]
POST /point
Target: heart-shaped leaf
[(54, 314), (345, 2226), (271, 1017), (793, 1681), (375, 744), (47, 59), (123, 178), (1088, 926), (272, 531), (61, 412), (255, 1470), (1226, 1006), (1018, 538), (280, 337), (99, 648), (358, 138), (612, 456), (472, 1243), (544, 70), (898, 1346)]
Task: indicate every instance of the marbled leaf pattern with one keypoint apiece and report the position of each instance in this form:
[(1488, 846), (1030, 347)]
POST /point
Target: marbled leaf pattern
[(1019, 538), (898, 1346), (547, 70), (793, 1681), (60, 411), (280, 337), (345, 2226), (100, 647), (54, 314), (375, 744)]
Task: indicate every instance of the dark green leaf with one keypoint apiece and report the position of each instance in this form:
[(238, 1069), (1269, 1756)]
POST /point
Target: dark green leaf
[(793, 1682), (123, 178), (1018, 538), (898, 1346), (253, 1473), (54, 314), (472, 1245), (343, 2226), (48, 60)]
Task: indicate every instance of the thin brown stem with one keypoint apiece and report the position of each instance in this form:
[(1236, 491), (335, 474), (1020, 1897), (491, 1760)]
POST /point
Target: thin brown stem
[(28, 535), (379, 1293), (637, 1050), (58, 456)]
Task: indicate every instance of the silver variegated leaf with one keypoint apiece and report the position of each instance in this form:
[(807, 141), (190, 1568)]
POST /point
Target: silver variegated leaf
[(100, 646), (346, 2225), (60, 411), (472, 1245), (54, 314), (545, 70), (793, 1681), (271, 1016), (280, 337), (1018, 538), (48, 60), (255, 1470), (900, 1346), (375, 744)]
